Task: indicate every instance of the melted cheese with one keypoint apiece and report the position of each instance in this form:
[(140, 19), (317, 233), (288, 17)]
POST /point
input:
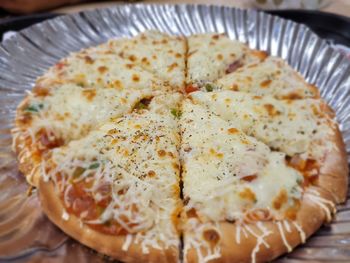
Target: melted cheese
[(210, 56), (217, 160), (158, 53), (70, 112), (126, 150), (101, 67), (291, 126), (271, 77)]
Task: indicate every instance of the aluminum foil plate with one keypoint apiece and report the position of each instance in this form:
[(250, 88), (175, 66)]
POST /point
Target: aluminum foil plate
[(25, 233)]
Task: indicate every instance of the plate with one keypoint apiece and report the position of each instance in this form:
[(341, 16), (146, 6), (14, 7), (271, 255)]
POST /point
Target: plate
[(25, 233)]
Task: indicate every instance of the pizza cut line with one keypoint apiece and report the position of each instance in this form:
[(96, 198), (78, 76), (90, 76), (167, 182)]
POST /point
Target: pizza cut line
[(160, 148)]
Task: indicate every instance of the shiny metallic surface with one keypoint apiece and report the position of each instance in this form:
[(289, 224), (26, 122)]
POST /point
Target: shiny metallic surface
[(25, 233)]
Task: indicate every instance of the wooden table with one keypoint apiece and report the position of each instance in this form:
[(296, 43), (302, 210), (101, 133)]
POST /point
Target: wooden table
[(341, 7)]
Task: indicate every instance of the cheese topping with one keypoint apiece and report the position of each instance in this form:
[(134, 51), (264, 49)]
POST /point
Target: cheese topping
[(211, 56), (291, 126), (70, 114), (97, 68), (273, 77), (158, 53), (227, 173), (130, 172), (67, 114)]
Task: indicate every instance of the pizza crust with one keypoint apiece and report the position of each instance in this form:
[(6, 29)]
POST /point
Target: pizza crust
[(103, 243), (26, 161), (334, 172), (310, 218)]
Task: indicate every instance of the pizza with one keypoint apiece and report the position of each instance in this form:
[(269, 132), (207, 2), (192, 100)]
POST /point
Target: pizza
[(162, 148)]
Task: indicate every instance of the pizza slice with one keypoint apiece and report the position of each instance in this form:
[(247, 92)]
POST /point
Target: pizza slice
[(243, 202), (66, 112), (159, 53), (303, 129), (272, 76), (117, 190), (212, 56), (99, 67)]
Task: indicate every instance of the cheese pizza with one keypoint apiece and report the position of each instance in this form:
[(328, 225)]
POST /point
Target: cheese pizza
[(161, 148)]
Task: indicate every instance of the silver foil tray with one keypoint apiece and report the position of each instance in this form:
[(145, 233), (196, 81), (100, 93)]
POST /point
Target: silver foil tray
[(25, 233)]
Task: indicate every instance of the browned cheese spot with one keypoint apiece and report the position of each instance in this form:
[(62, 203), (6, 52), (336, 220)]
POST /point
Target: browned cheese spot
[(248, 195), (192, 212), (249, 178), (292, 211), (234, 87), (176, 216), (292, 96), (233, 131), (245, 141), (172, 66), (260, 54), (265, 83), (41, 91), (175, 166), (135, 78), (89, 94), (132, 58), (161, 153), (280, 199), (117, 84), (187, 149), (314, 90), (317, 111), (271, 110), (88, 60), (102, 69), (151, 173), (145, 60)]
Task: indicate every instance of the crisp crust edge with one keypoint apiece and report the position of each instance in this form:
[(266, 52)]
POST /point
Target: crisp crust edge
[(310, 218), (103, 243)]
